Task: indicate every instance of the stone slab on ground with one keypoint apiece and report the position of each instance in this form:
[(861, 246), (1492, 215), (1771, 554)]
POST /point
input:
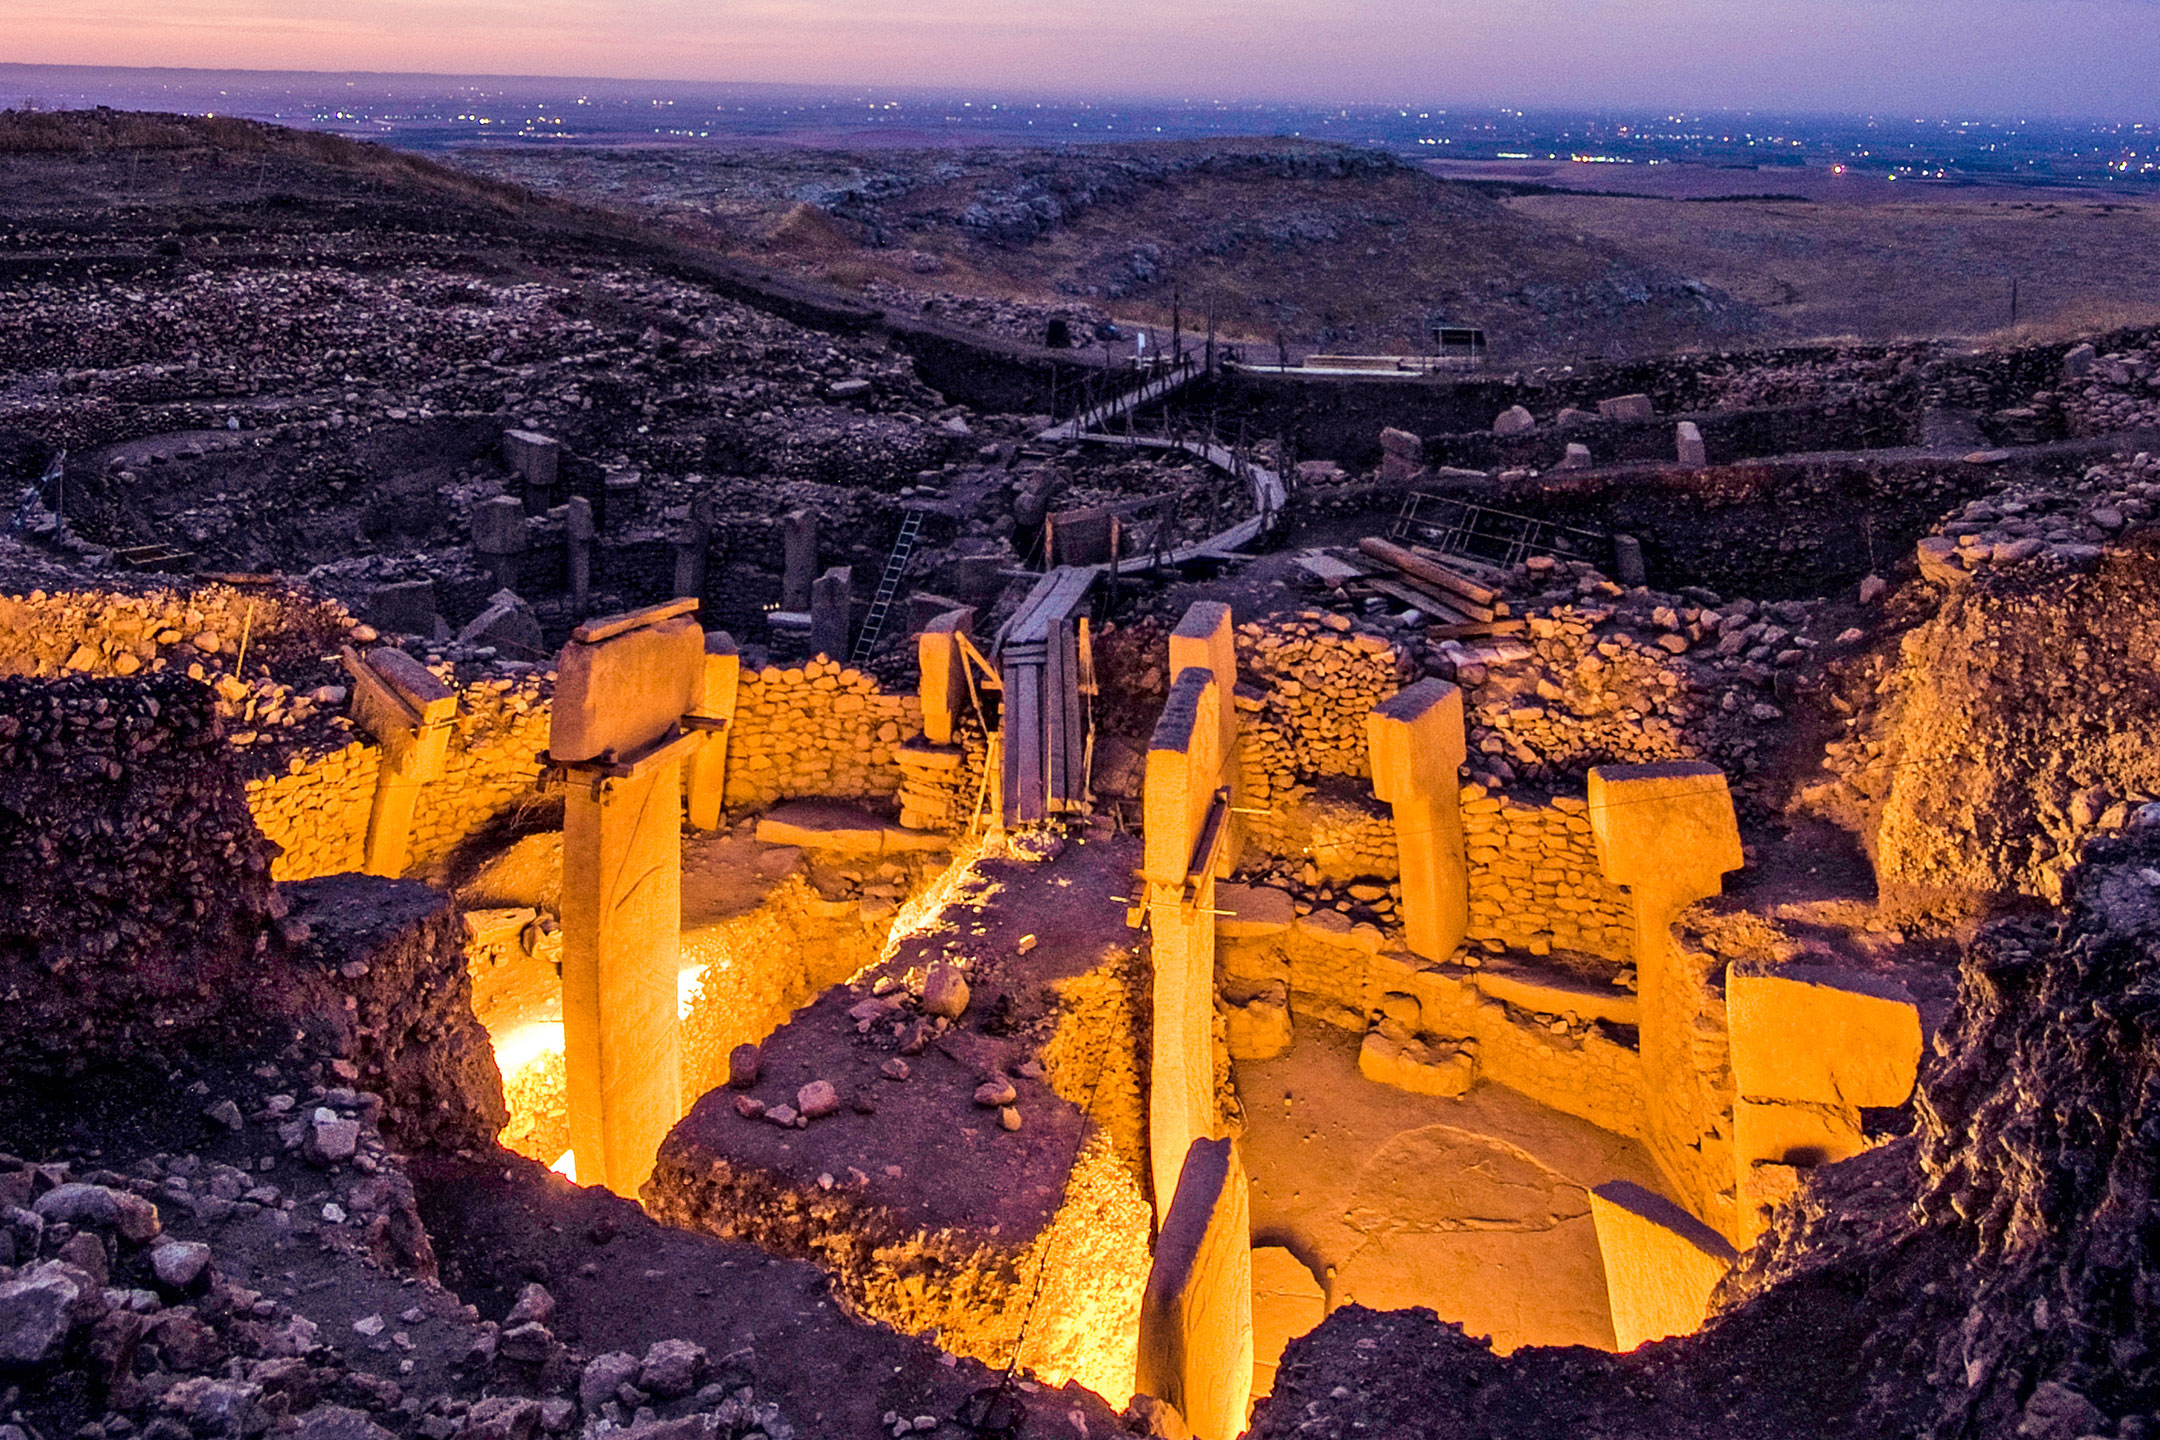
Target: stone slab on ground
[(837, 827), (1375, 1182)]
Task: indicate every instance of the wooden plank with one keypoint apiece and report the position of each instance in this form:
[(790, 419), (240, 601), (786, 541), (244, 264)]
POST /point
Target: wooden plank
[(1477, 570), (1475, 628), (1430, 571), (1074, 789), (1024, 744), (1055, 685), (1421, 597)]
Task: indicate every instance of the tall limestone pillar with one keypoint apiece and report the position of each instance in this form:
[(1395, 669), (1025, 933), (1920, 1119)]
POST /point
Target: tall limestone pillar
[(714, 716), (1196, 1328), (623, 685), (1186, 814), (1205, 640), (1667, 834), (1417, 746)]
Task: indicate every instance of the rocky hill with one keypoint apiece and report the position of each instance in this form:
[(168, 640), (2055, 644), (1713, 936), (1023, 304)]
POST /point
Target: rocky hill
[(1331, 247)]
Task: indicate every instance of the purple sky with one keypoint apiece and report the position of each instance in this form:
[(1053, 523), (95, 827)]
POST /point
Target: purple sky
[(1992, 57)]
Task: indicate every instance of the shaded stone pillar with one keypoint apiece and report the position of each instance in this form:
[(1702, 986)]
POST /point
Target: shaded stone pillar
[(537, 461), (498, 536), (1417, 745), (578, 531), (1205, 640), (409, 711), (832, 602), (1184, 820), (1688, 444), (714, 717), (623, 683), (799, 541), (941, 673), (692, 540), (1812, 1046), (1667, 834), (1196, 1332)]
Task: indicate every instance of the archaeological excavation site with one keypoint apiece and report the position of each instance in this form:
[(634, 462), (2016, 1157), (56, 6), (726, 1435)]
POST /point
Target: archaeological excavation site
[(600, 841)]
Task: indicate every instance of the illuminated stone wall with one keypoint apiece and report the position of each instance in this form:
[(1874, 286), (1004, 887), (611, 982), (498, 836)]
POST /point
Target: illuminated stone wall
[(1535, 883), (316, 807), (821, 729)]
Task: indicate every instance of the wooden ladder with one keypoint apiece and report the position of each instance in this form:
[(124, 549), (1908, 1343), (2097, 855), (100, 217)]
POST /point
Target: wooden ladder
[(888, 586)]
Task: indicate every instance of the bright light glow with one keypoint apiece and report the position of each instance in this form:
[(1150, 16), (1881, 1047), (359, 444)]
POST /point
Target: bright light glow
[(566, 1166), (516, 1049)]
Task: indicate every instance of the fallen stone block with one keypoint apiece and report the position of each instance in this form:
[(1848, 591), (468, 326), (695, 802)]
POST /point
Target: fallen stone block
[(1627, 407), (1260, 1029), (1661, 1263), (1251, 911), (1514, 420)]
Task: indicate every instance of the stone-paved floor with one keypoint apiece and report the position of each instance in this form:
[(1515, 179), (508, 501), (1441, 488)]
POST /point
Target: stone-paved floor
[(1474, 1206)]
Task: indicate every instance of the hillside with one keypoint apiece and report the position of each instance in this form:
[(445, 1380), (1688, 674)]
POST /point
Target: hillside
[(1333, 248)]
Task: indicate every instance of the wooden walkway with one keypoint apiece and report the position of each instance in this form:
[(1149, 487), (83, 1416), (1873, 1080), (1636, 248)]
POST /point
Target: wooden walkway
[(1268, 491)]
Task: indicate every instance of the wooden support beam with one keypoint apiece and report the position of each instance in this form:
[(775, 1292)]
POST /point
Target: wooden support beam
[(1474, 596)]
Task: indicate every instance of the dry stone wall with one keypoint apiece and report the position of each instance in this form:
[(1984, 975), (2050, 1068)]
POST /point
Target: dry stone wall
[(1319, 677), (819, 729), (1535, 881), (316, 808), (1329, 971)]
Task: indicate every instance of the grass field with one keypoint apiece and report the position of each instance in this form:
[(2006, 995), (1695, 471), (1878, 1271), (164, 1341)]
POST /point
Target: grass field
[(1937, 266)]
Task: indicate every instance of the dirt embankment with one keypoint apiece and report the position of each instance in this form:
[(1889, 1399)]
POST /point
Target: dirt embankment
[(2007, 728)]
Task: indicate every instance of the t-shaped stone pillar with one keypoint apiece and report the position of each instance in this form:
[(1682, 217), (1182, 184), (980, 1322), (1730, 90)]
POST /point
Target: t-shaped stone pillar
[(409, 711), (623, 684), (1668, 834), (1205, 640), (1417, 746), (715, 717), (1812, 1047), (692, 541), (942, 674), (498, 535), (1196, 1331), (578, 531), (537, 461), (799, 551), (1185, 816), (831, 613)]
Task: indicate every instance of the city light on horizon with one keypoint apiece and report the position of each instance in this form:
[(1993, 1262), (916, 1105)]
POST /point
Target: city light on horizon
[(1813, 54)]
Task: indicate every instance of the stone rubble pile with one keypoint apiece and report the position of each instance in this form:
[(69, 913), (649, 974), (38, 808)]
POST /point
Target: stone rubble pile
[(1605, 675), (2062, 522)]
